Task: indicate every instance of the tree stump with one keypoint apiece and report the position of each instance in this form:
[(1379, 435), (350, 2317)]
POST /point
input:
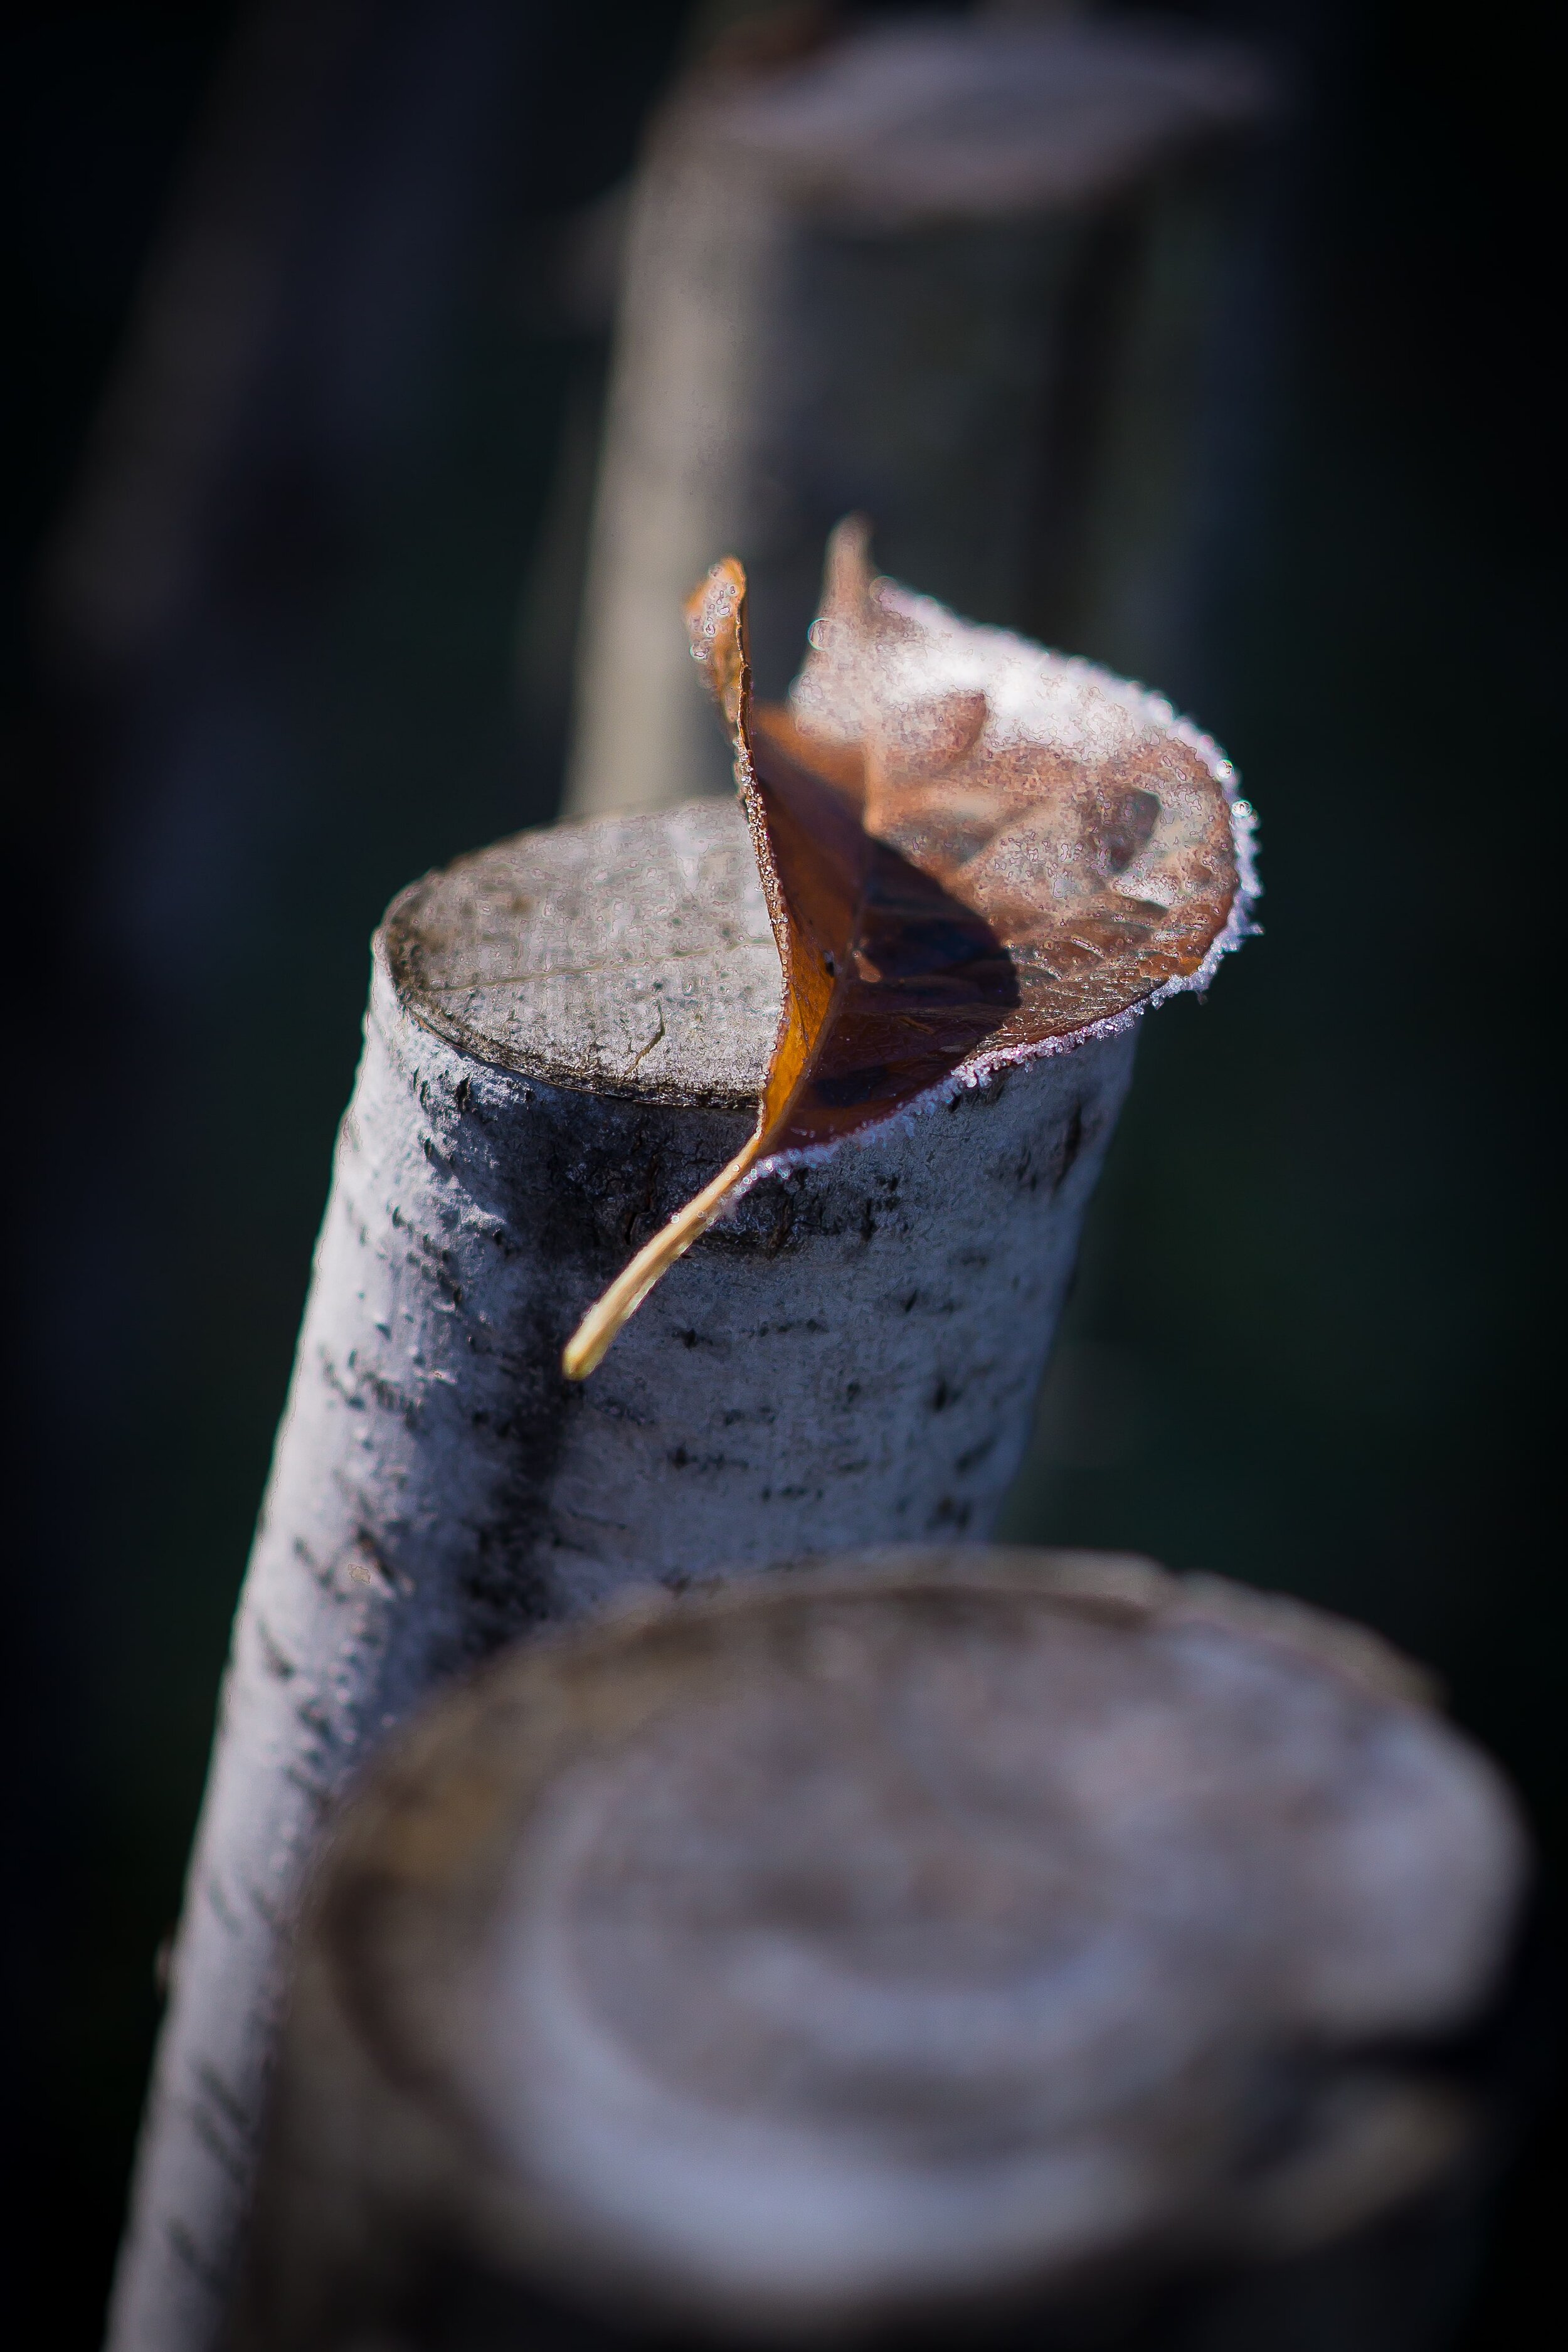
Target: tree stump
[(956, 274), (565, 1039), (944, 1946)]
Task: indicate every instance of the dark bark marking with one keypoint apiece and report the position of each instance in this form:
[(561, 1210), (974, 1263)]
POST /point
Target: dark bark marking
[(1068, 1152), (274, 1657), (184, 2247), (224, 2097)]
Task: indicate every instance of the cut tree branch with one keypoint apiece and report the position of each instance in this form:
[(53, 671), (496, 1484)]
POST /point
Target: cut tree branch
[(854, 1355)]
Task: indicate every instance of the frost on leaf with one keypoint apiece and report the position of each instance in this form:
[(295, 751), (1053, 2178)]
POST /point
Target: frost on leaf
[(973, 852)]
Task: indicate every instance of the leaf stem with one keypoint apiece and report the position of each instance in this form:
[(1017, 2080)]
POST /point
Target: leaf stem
[(586, 1348)]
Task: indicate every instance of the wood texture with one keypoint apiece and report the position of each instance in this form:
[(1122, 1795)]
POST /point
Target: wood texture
[(970, 1943)]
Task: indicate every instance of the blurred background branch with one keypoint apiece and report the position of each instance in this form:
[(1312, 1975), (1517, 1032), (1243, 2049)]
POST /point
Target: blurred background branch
[(959, 274)]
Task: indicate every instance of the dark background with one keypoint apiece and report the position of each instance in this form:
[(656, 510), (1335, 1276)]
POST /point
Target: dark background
[(307, 320)]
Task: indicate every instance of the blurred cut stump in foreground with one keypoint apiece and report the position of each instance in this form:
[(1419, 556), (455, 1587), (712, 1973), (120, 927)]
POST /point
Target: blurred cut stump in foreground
[(957, 276), (942, 1946)]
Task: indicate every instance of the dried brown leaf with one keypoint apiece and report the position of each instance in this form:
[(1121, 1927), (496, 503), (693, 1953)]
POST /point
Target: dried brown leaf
[(973, 852)]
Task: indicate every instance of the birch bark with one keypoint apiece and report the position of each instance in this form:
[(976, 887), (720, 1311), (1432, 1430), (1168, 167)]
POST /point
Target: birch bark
[(566, 1038)]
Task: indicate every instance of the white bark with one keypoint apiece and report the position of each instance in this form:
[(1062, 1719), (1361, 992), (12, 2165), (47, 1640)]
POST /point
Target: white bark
[(566, 1038), (903, 275)]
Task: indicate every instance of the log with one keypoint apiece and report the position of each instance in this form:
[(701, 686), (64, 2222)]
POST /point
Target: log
[(565, 1039), (924, 271), (944, 1944)]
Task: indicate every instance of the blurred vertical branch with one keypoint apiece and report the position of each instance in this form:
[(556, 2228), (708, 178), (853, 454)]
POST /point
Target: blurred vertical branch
[(957, 273)]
